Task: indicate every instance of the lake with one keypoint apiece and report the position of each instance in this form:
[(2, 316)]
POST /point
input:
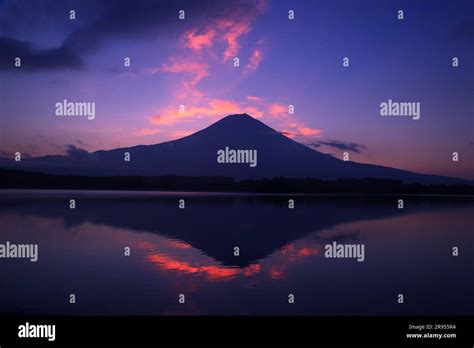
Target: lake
[(191, 251)]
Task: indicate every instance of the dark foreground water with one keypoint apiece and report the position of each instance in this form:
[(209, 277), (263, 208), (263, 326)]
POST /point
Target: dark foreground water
[(191, 252)]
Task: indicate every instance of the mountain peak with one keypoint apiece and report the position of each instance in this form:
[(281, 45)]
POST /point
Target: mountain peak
[(237, 118), (239, 115), (239, 122)]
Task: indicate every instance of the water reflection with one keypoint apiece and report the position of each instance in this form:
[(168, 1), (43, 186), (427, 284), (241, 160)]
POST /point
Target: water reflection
[(191, 251)]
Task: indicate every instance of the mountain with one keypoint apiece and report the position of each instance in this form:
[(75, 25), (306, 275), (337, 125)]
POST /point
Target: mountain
[(196, 155)]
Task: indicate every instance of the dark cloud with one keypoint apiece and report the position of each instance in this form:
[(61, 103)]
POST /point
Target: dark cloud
[(101, 21), (76, 152), (314, 145), (34, 59), (57, 147), (337, 144)]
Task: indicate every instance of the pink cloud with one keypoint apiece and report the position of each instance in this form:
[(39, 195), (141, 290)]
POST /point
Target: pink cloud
[(253, 111), (254, 98), (222, 105), (233, 30), (197, 42), (213, 108), (299, 131), (229, 30), (288, 133), (198, 70), (194, 73), (308, 131), (145, 132), (180, 134), (255, 60), (274, 114), (279, 110), (226, 30)]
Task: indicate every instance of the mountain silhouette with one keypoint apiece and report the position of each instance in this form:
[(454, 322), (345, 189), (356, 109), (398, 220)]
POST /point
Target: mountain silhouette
[(196, 155)]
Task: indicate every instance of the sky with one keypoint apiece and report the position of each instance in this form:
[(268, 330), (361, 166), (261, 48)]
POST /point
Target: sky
[(282, 62)]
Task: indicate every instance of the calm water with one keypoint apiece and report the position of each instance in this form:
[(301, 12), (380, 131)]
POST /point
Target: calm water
[(190, 251)]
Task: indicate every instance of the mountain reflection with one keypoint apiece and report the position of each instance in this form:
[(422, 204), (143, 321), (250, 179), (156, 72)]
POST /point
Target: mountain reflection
[(170, 261), (258, 225), (191, 251)]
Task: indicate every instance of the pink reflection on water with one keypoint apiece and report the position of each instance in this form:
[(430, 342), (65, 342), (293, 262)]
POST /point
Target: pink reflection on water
[(288, 255), (166, 261), (178, 256)]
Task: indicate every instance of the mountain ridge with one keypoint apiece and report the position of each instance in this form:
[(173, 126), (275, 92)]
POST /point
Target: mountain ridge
[(196, 155)]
